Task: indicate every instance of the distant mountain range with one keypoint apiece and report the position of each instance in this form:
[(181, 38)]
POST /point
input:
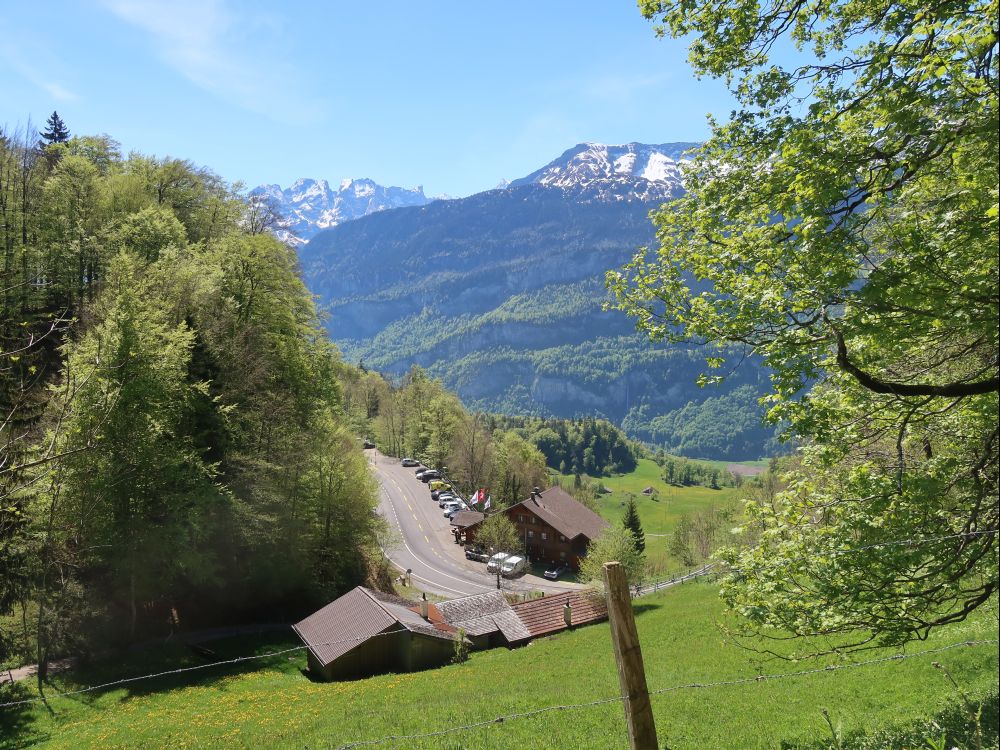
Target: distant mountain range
[(500, 296), (589, 171), (310, 206)]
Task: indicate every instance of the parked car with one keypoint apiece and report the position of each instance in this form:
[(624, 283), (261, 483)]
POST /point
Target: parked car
[(513, 566), (419, 472), (556, 570), (496, 561), (429, 475), (451, 507), (476, 553), (445, 497), (409, 462), (439, 484)]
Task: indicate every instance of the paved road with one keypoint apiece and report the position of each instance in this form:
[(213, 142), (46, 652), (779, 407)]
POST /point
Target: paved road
[(424, 542)]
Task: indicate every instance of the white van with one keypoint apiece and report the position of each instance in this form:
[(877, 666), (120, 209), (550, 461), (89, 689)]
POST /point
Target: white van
[(496, 561), (512, 566)]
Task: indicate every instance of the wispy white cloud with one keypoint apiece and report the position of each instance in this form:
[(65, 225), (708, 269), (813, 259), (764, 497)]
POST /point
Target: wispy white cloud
[(620, 88), (35, 72), (221, 51)]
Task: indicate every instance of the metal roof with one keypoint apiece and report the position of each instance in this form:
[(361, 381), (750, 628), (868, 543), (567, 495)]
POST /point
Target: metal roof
[(361, 614)]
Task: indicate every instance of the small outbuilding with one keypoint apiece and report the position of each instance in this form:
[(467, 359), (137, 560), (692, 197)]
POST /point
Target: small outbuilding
[(368, 632), (487, 619)]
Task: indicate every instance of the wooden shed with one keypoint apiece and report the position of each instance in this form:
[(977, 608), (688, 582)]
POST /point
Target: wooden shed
[(368, 632)]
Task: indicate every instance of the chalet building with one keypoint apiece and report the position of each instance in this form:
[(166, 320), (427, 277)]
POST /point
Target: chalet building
[(368, 632), (554, 526)]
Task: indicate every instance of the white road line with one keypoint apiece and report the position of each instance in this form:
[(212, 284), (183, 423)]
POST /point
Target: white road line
[(417, 557)]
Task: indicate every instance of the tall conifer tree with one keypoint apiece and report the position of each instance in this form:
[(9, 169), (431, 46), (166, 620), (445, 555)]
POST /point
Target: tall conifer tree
[(631, 522), (57, 131)]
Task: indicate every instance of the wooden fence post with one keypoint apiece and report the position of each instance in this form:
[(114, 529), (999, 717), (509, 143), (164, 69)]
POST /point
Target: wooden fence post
[(631, 675)]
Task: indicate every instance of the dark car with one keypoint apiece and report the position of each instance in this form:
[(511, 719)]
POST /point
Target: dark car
[(556, 570), (429, 475), (477, 554), (369, 444), (419, 472), (409, 462)]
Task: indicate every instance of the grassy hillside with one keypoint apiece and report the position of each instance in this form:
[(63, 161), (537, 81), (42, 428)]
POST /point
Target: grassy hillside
[(660, 512), (272, 704)]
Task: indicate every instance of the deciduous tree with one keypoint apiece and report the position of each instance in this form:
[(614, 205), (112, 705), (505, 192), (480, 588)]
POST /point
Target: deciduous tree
[(843, 227)]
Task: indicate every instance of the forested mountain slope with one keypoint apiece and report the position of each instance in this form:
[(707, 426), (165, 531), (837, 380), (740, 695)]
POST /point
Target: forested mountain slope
[(500, 295)]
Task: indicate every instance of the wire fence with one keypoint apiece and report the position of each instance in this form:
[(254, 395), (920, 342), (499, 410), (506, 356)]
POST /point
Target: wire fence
[(454, 729), (706, 570)]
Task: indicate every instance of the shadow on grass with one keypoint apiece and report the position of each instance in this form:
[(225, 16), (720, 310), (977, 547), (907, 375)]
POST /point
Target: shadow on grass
[(644, 607), (954, 724), (19, 726), (18, 723)]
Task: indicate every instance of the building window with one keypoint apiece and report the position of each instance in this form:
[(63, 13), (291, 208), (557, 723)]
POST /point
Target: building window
[(531, 535), (562, 538), (520, 518), (544, 536), (562, 555)]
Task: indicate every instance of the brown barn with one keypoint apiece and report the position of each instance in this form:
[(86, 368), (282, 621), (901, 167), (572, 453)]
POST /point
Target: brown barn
[(554, 526), (368, 632)]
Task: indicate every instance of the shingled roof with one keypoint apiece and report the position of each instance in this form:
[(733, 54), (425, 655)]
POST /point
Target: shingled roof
[(465, 518), (482, 614), (543, 616), (361, 614), (564, 513)]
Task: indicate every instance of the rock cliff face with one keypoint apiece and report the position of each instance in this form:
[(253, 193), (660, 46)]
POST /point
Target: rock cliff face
[(500, 295)]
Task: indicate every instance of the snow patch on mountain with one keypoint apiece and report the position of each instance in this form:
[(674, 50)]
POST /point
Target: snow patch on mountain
[(631, 171), (309, 206)]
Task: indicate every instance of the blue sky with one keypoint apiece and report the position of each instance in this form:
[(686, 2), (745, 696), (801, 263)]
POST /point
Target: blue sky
[(453, 96)]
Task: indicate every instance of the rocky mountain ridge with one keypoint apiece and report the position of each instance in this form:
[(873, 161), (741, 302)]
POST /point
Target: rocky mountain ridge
[(588, 172), (310, 206)]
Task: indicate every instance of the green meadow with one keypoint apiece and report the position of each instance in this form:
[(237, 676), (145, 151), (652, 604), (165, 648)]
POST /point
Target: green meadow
[(271, 703), (659, 512)]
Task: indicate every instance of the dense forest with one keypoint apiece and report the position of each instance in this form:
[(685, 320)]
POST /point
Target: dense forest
[(577, 446), (418, 418), (174, 449)]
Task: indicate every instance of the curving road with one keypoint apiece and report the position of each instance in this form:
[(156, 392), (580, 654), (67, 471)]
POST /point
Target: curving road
[(424, 542)]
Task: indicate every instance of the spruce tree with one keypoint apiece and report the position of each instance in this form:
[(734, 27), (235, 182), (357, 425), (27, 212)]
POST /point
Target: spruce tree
[(631, 522), (57, 131)]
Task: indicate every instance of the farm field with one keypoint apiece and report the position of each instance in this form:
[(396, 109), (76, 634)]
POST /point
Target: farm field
[(272, 704)]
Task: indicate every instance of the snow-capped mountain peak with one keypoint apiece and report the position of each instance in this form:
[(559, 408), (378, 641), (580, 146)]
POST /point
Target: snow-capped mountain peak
[(310, 205), (631, 171)]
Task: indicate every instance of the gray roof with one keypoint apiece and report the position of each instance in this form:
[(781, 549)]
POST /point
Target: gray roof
[(482, 614), (359, 615), (467, 518), (564, 513)]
